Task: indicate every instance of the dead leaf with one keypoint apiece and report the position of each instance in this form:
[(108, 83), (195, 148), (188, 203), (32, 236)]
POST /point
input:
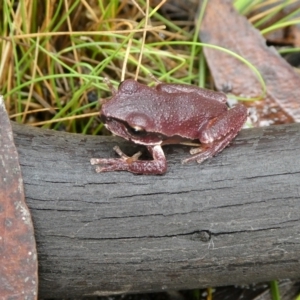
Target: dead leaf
[(18, 257), (224, 27)]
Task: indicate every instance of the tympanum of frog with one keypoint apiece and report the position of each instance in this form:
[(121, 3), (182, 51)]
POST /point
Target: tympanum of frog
[(167, 114)]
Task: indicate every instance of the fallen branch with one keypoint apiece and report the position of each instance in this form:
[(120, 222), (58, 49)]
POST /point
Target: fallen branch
[(234, 219)]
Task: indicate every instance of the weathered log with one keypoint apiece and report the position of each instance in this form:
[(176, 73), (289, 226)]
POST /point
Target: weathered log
[(234, 219)]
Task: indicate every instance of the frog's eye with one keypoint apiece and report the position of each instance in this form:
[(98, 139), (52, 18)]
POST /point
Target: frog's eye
[(138, 123), (136, 130)]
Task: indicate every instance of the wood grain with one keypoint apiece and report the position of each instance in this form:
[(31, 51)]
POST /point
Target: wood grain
[(234, 219)]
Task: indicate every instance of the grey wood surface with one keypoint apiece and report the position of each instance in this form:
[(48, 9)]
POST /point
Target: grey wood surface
[(234, 219)]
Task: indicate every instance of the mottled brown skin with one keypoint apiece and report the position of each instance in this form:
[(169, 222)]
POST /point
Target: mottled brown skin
[(167, 114)]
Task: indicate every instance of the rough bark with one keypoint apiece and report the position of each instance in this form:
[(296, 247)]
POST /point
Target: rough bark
[(18, 257), (234, 219)]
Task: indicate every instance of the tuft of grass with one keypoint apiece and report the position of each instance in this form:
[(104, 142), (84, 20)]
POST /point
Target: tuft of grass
[(274, 290), (55, 55), (53, 65)]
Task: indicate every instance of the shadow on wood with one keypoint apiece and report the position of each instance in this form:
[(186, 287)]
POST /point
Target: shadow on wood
[(234, 219)]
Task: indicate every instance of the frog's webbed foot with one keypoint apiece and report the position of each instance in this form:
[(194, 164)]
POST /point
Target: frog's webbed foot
[(112, 164), (131, 164)]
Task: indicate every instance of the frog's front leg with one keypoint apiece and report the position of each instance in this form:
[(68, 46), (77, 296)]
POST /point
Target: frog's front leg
[(131, 164), (218, 133)]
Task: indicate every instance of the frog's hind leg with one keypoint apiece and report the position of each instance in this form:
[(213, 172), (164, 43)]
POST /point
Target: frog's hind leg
[(217, 136), (201, 154)]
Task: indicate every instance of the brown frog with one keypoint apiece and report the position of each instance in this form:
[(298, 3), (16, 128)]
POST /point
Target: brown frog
[(167, 114)]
